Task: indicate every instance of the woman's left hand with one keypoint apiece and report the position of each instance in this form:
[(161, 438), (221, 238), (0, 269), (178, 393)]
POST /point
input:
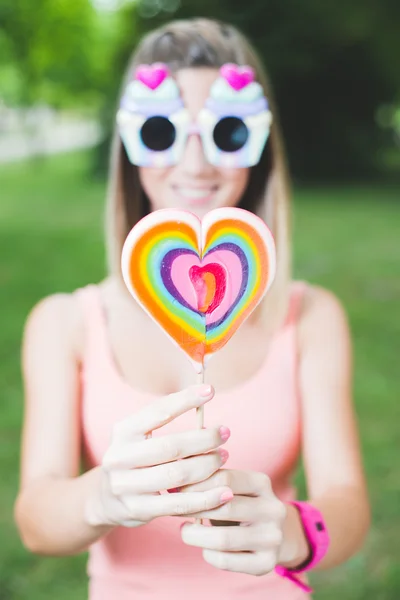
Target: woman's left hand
[(257, 545)]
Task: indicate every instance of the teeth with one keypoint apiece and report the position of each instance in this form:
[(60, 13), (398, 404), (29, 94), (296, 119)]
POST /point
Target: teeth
[(193, 193)]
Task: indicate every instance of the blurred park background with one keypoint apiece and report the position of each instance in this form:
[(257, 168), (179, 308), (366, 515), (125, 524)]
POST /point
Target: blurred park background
[(335, 69)]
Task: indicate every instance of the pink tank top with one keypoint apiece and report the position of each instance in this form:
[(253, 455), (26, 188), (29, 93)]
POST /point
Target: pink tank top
[(263, 415)]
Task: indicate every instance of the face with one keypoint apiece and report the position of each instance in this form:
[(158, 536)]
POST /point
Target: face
[(194, 184)]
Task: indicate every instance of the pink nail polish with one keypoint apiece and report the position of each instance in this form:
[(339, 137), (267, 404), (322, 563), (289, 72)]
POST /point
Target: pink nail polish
[(205, 391), (224, 455), (225, 433), (226, 496)]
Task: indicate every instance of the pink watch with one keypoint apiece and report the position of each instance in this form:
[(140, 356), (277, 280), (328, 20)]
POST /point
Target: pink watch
[(318, 539)]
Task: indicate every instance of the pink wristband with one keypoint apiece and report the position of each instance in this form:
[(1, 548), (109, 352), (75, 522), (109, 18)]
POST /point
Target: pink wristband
[(317, 535)]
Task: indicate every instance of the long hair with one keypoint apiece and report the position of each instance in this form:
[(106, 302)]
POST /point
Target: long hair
[(205, 43)]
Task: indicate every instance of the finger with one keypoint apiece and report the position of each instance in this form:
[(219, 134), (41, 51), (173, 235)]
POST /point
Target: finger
[(258, 563), (116, 514), (242, 483), (247, 509), (159, 450), (145, 508), (162, 411), (166, 476), (255, 538)]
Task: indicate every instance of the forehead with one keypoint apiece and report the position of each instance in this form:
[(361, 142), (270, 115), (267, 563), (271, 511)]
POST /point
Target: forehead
[(194, 84)]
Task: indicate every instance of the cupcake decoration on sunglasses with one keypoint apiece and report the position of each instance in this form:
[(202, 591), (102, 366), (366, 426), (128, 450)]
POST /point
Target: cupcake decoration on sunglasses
[(152, 119), (154, 124), (236, 119)]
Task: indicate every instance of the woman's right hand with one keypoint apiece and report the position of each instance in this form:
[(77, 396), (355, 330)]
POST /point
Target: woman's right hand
[(136, 468)]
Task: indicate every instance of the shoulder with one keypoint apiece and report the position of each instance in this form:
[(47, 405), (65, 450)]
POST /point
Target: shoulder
[(324, 338), (321, 314), (59, 317)]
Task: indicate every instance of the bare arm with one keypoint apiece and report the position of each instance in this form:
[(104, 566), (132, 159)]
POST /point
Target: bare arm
[(49, 510), (331, 448)]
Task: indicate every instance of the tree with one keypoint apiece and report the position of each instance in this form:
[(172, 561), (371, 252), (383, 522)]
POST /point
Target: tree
[(50, 52)]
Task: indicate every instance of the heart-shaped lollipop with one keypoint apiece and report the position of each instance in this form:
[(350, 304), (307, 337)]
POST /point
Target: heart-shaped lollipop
[(199, 280)]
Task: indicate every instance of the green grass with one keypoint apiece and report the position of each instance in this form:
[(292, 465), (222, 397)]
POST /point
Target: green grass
[(345, 239)]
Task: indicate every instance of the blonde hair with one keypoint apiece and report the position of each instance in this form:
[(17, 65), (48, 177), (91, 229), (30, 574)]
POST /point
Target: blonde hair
[(196, 43)]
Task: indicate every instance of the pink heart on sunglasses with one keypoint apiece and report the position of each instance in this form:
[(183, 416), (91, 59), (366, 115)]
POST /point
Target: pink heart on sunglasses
[(152, 75), (237, 77)]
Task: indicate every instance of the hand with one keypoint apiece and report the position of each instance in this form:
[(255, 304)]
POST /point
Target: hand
[(257, 545), (136, 468)]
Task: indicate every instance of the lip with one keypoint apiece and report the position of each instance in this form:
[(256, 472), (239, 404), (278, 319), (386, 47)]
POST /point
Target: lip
[(195, 195)]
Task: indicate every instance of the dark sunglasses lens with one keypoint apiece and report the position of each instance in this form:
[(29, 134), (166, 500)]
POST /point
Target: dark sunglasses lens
[(230, 134), (158, 134)]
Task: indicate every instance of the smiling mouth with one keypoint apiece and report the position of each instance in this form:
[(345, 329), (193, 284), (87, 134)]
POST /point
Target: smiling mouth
[(195, 196)]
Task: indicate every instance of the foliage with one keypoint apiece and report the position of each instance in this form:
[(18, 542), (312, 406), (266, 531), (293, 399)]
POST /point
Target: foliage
[(52, 52)]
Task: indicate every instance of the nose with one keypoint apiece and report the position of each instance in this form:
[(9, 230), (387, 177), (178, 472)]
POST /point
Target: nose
[(193, 160)]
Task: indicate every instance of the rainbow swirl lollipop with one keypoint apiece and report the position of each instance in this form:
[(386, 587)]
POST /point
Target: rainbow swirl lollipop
[(199, 280)]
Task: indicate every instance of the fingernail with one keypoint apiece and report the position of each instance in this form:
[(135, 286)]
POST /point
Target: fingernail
[(205, 391), (225, 433), (174, 490), (226, 496), (224, 455)]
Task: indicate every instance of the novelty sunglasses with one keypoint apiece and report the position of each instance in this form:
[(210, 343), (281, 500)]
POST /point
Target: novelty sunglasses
[(233, 125)]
